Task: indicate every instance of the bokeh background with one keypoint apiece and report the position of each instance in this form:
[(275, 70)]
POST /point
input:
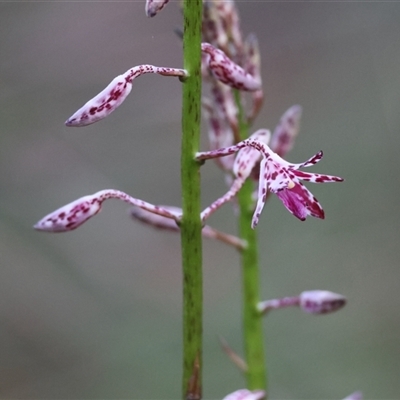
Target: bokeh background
[(96, 313)]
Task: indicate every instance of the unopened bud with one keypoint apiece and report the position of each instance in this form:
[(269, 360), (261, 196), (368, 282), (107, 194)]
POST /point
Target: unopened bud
[(245, 394), (228, 72), (73, 215), (286, 131), (115, 93), (70, 216), (154, 6), (321, 302)]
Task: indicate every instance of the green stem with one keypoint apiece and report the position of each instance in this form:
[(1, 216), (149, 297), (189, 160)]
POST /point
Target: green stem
[(191, 224), (256, 375)]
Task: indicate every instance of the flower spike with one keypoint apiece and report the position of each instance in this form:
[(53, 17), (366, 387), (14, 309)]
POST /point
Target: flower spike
[(154, 6), (228, 72), (73, 215), (115, 93)]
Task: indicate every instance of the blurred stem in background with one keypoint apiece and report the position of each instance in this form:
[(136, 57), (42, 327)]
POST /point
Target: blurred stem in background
[(191, 224), (256, 372)]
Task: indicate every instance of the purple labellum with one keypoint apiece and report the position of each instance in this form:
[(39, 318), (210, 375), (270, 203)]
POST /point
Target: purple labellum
[(154, 6), (228, 72), (115, 93)]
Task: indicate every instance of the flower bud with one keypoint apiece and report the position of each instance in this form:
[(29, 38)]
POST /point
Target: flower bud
[(70, 216), (286, 131), (228, 72), (245, 394), (154, 6), (110, 98), (74, 214), (321, 302)]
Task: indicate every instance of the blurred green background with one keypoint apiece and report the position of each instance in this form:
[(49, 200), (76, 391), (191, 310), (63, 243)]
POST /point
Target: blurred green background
[(96, 313)]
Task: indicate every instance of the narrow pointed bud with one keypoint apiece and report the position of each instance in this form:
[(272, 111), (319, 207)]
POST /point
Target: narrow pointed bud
[(73, 215), (115, 93), (285, 133), (70, 216), (228, 72), (245, 394), (355, 396), (154, 6), (213, 29), (319, 302), (253, 67)]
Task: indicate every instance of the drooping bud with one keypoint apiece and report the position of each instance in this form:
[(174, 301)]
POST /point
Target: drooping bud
[(115, 93), (213, 29), (70, 216), (154, 6), (245, 394), (73, 215), (319, 302), (219, 134), (253, 67), (229, 16), (228, 72), (286, 131)]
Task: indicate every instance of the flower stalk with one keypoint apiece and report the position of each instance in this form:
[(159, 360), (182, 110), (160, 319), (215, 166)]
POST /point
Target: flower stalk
[(191, 225), (256, 373)]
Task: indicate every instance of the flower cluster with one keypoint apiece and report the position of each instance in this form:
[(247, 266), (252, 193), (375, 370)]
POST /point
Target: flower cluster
[(231, 68)]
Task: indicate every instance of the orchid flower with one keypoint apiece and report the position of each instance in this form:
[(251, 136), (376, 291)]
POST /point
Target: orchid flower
[(115, 93), (228, 72), (280, 177), (245, 161), (73, 215), (154, 6)]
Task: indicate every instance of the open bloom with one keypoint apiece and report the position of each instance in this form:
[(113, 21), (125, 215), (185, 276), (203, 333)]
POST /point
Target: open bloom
[(280, 177)]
